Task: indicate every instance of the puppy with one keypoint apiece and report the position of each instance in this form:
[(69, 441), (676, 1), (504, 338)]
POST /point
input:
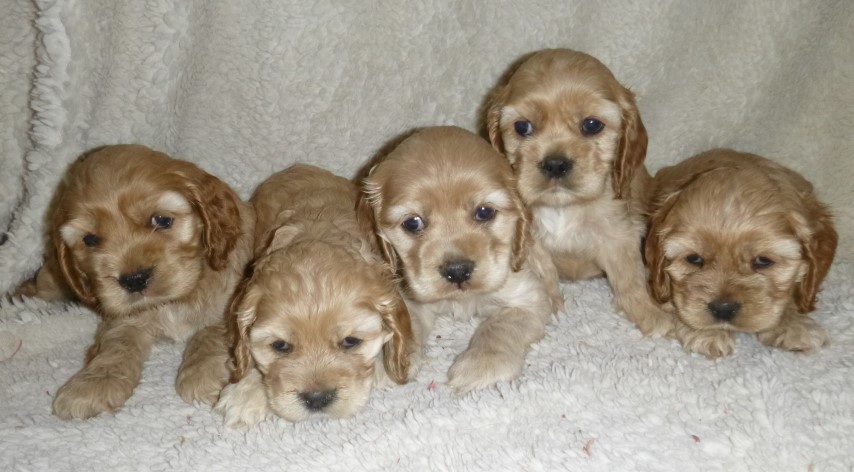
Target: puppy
[(155, 246), (319, 321), (448, 218), (738, 243), (577, 144)]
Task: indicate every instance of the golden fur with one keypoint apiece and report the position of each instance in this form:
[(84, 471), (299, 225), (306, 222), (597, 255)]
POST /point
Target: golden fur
[(468, 250), (738, 243), (155, 246), (317, 318), (577, 144)]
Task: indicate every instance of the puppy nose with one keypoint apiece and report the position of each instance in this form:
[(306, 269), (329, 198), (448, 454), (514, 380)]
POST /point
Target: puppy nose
[(317, 400), (723, 309), (555, 167), (457, 271), (135, 282)]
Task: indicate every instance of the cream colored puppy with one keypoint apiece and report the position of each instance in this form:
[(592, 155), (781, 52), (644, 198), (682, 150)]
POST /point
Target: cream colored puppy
[(448, 217), (738, 243), (319, 320), (155, 246), (577, 144)]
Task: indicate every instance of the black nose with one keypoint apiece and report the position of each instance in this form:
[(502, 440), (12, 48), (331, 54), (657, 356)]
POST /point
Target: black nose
[(555, 167), (136, 281), (317, 400), (457, 271), (723, 309)]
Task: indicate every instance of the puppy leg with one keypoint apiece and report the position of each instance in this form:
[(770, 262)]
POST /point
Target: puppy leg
[(44, 285), (204, 368), (111, 374), (627, 276), (497, 350), (244, 403), (795, 332), (712, 343)]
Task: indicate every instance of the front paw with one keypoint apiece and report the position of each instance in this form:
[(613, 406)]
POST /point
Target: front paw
[(480, 368), (711, 343), (803, 335), (204, 386), (88, 394), (244, 403)]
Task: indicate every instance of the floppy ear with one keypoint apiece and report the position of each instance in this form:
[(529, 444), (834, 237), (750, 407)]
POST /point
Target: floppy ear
[(659, 280), (367, 204), (397, 350), (241, 317), (75, 278), (818, 245), (632, 149), (217, 205), (493, 118), (522, 238)]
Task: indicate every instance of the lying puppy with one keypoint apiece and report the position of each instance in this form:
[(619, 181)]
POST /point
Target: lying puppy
[(577, 143), (448, 217), (739, 243), (155, 246), (317, 318)]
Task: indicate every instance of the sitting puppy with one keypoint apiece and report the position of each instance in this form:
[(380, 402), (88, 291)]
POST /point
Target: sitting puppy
[(317, 314), (738, 243), (577, 144), (445, 209), (155, 246)]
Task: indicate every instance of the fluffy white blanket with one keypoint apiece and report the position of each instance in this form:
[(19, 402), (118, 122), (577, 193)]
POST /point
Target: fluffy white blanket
[(247, 87)]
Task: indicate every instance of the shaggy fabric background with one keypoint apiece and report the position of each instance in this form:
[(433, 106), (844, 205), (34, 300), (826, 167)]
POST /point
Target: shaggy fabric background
[(245, 88)]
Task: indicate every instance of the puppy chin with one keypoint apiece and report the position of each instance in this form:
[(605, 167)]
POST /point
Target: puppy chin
[(166, 285)]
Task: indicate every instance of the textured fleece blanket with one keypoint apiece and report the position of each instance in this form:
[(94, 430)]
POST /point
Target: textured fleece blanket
[(248, 87)]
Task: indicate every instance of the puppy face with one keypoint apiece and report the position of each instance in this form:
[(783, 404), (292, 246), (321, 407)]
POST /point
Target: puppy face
[(445, 208), (732, 249), (314, 322), (571, 131), (135, 228)]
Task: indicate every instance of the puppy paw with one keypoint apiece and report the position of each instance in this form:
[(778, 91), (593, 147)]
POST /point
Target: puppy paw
[(243, 404), (88, 394), (802, 334), (479, 368), (710, 343), (197, 385), (660, 324)]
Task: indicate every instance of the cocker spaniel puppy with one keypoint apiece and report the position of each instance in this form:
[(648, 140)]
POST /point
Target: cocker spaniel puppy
[(444, 206), (738, 243), (155, 246), (319, 321), (577, 144)]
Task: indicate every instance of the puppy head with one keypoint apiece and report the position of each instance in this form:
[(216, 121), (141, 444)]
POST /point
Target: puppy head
[(446, 212), (134, 227), (314, 319), (732, 248), (572, 132)]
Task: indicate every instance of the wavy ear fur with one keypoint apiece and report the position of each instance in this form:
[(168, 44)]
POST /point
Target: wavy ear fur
[(493, 118), (241, 317), (632, 149), (397, 350), (818, 244), (367, 205), (75, 278), (218, 207), (522, 238), (659, 281)]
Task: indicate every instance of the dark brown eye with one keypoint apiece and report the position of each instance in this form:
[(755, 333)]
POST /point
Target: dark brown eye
[(414, 225), (281, 346), (484, 214), (695, 259), (91, 240), (161, 222), (591, 126), (350, 342), (761, 262)]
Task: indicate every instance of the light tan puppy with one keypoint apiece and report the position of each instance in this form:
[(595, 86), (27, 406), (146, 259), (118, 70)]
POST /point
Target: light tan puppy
[(739, 243), (320, 314), (155, 246), (449, 219), (577, 144)]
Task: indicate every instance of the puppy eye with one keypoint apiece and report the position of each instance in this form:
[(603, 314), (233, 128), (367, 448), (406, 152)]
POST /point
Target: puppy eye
[(761, 262), (484, 214), (281, 346), (161, 222), (350, 342), (524, 128), (91, 240), (695, 259), (591, 126), (414, 224)]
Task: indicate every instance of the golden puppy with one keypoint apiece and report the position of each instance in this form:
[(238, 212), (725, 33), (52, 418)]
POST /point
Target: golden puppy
[(448, 217), (739, 243), (155, 246), (319, 312), (577, 143)]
